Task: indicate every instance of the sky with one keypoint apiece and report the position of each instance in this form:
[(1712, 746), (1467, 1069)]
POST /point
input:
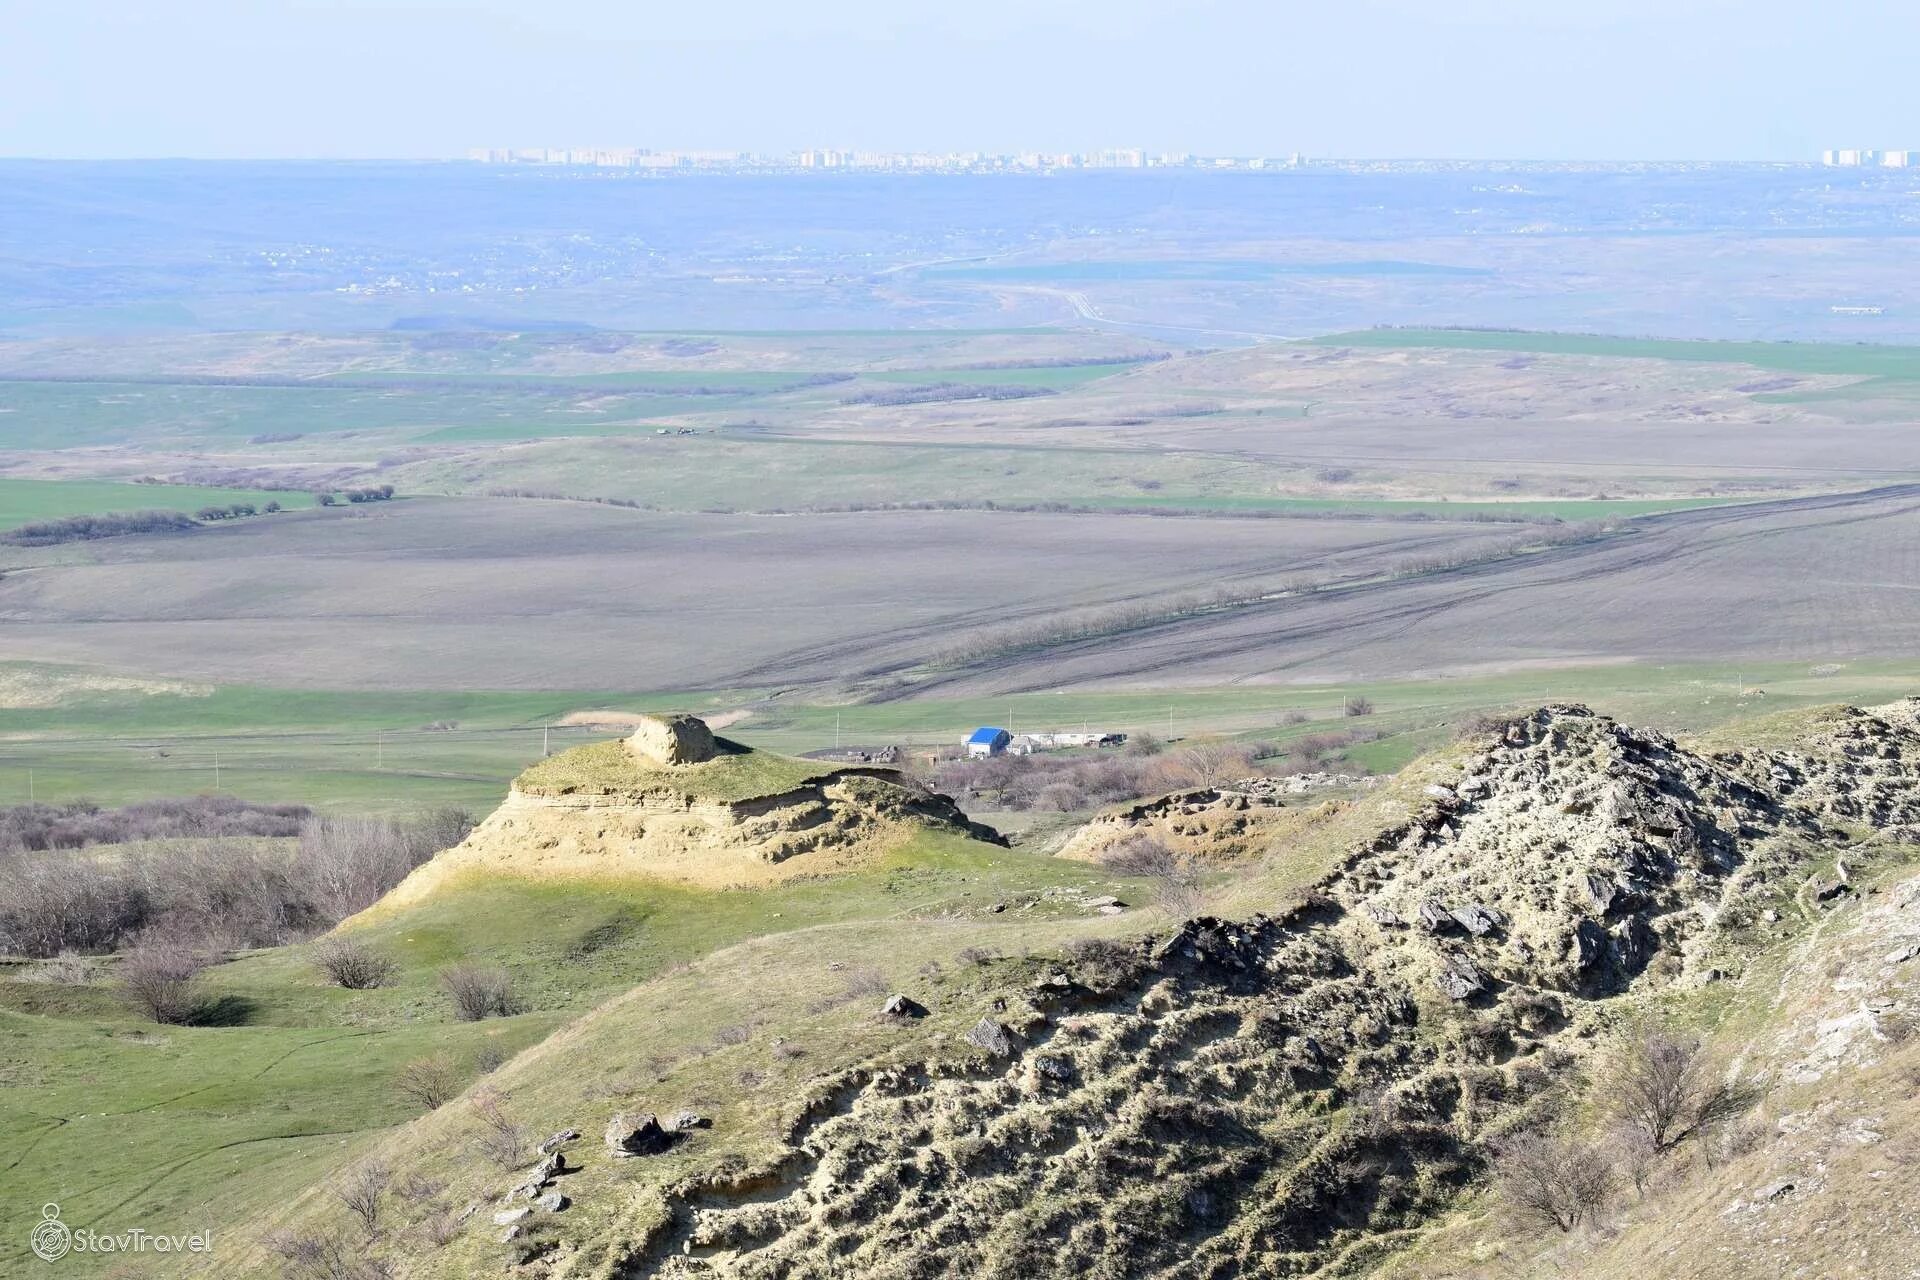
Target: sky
[(1536, 79)]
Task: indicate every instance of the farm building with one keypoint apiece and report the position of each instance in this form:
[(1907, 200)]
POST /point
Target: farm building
[(987, 741)]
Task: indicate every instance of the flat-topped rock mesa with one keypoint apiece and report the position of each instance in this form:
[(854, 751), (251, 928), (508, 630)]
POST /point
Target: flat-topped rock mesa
[(674, 802)]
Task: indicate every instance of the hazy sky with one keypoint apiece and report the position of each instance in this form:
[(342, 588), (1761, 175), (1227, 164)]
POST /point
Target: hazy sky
[(1759, 79)]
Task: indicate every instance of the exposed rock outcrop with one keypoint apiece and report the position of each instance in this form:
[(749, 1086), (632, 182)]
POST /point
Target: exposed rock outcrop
[(672, 740), (1274, 1096)]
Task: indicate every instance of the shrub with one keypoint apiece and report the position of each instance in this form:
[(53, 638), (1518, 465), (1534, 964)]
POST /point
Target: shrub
[(1553, 1180), (47, 533), (363, 1191), (479, 991), (429, 1082), (352, 964), (33, 827), (162, 981), (501, 1139), (1357, 707), (1208, 764)]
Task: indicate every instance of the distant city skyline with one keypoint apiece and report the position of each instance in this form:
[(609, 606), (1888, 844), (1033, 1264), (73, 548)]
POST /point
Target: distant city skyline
[(1479, 79)]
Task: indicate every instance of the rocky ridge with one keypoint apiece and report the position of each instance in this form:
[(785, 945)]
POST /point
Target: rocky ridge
[(1294, 1092)]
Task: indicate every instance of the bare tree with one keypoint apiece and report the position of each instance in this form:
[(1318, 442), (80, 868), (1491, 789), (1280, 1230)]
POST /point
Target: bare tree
[(1211, 763), (162, 981), (1634, 1155), (430, 1082), (502, 1139), (363, 1191), (1553, 1180), (350, 963), (1664, 1087)]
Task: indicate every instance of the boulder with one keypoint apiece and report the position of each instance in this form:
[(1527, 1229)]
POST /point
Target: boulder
[(1461, 979), (552, 1202), (1052, 1066), (1478, 920), (1587, 945), (558, 1140), (1435, 918), (639, 1134), (672, 740), (687, 1121), (900, 1006), (507, 1217), (995, 1038)]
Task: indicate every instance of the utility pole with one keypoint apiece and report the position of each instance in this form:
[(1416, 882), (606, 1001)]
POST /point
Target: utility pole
[(545, 750)]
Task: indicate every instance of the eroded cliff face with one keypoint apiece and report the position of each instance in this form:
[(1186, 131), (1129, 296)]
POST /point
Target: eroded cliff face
[(834, 822), (1292, 1093)]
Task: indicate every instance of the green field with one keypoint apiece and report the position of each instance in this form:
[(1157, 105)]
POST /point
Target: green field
[(1863, 359), (348, 751), (24, 501)]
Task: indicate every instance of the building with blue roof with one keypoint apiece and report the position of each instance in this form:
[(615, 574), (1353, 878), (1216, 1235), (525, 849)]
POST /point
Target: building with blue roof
[(988, 741)]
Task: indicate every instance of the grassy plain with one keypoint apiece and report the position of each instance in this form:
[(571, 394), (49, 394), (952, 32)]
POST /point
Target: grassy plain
[(1860, 359), (25, 501), (357, 751)]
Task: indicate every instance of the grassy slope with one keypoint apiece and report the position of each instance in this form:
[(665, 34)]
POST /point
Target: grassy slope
[(22, 501), (125, 1123)]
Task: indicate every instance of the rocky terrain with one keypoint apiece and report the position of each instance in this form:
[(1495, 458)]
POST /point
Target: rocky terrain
[(673, 805), (1315, 1088), (1214, 823)]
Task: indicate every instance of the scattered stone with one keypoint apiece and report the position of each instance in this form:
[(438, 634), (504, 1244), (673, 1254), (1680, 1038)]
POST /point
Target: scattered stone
[(469, 1211), (639, 1134), (1770, 916), (1903, 953), (1478, 920), (687, 1122), (1383, 916), (550, 1165), (1053, 1066), (1058, 980), (1435, 918), (1111, 909), (1773, 1191), (557, 1140), (1445, 795), (1099, 903), (1600, 893), (1461, 979), (507, 1217), (994, 1037), (901, 1006), (1828, 890), (509, 1235), (552, 1202)]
